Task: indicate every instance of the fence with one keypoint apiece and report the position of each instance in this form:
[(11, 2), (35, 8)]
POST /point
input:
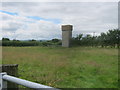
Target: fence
[(12, 70), (4, 78), (8, 79)]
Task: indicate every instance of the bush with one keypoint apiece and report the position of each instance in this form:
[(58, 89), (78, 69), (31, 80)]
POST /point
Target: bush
[(19, 43), (46, 43)]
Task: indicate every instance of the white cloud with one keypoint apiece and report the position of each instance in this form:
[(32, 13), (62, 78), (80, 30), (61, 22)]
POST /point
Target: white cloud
[(85, 17), (60, 1)]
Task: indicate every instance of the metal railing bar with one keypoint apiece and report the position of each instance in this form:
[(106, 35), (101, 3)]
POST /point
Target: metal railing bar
[(25, 82)]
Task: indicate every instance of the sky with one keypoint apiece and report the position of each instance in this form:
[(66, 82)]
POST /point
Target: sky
[(43, 20)]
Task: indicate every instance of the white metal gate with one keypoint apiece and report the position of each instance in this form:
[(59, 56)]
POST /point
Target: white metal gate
[(4, 78)]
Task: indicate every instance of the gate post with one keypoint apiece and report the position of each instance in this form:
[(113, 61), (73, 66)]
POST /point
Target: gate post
[(3, 83), (11, 69)]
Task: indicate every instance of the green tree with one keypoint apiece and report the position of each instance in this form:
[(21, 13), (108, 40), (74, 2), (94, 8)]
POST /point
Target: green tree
[(55, 40), (5, 39), (114, 37)]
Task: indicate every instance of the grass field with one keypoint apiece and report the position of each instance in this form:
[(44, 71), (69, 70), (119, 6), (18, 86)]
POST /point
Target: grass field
[(76, 67)]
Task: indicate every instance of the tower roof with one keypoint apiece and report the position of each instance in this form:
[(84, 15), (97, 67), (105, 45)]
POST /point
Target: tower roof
[(67, 27)]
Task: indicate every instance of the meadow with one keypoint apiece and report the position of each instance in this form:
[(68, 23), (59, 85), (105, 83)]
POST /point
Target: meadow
[(75, 67)]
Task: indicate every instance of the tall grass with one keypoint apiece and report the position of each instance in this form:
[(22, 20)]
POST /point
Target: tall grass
[(76, 67)]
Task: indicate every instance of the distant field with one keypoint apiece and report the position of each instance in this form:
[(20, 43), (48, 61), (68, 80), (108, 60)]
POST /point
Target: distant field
[(76, 67)]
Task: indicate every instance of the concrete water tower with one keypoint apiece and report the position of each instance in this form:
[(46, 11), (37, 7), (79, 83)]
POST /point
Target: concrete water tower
[(66, 35)]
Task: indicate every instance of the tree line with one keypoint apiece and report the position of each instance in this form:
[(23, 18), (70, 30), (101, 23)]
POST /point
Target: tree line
[(111, 38), (8, 42)]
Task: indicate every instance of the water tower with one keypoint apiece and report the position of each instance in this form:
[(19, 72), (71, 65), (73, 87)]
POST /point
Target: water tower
[(66, 35)]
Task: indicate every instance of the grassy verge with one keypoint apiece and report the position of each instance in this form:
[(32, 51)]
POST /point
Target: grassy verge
[(76, 67)]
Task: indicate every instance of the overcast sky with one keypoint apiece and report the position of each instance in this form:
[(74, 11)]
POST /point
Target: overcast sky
[(43, 20)]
